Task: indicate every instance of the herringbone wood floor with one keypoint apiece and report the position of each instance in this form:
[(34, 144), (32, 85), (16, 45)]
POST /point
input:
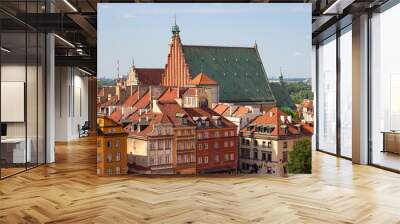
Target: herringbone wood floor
[(70, 192)]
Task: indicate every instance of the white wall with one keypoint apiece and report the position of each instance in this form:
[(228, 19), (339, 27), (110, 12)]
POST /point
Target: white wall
[(71, 102)]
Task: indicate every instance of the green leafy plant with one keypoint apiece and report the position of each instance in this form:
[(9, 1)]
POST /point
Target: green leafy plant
[(300, 157)]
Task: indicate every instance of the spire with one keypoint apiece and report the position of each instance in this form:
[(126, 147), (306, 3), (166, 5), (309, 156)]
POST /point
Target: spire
[(281, 76), (175, 28), (133, 63)]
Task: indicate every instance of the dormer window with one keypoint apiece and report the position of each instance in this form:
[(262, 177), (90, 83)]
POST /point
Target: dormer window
[(207, 123)]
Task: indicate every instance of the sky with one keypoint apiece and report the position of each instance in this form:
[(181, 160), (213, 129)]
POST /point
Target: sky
[(140, 33)]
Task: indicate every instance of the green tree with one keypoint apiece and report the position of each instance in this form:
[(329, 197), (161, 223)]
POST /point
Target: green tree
[(289, 111), (300, 157)]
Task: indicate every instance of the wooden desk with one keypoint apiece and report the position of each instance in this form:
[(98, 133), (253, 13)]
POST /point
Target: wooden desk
[(391, 141)]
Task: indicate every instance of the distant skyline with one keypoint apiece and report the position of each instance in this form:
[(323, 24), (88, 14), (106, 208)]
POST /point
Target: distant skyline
[(141, 33)]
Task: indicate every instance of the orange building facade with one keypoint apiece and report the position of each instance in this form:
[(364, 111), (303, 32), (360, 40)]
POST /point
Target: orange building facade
[(111, 148)]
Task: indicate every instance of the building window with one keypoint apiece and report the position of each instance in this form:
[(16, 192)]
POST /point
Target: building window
[(199, 136), (232, 156), (216, 158), (167, 160), (98, 157), (232, 133), (255, 155), (269, 144), (226, 144), (205, 159), (226, 157), (109, 157), (245, 153), (117, 143), (285, 156), (117, 170), (200, 160), (199, 146), (98, 171), (226, 133), (185, 158), (216, 145), (264, 156), (255, 142), (216, 134), (269, 156), (205, 134), (205, 145), (109, 171), (285, 145), (98, 144), (232, 143), (118, 156), (192, 157), (109, 143), (243, 141), (264, 144)]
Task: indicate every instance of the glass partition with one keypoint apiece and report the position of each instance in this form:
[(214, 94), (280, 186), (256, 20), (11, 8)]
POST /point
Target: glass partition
[(326, 106), (22, 77), (385, 89)]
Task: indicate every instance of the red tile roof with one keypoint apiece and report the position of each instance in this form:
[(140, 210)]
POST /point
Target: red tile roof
[(143, 102), (116, 115), (112, 102), (241, 110), (171, 109), (209, 113), (203, 79), (131, 100), (220, 109), (150, 76), (274, 118)]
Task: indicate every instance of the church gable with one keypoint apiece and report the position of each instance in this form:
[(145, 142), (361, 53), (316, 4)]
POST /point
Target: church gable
[(176, 72)]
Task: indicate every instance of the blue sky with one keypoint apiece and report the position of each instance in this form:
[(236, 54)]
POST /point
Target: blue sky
[(141, 32)]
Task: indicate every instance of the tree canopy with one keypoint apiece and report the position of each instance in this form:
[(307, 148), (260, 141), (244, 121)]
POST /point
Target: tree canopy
[(300, 157)]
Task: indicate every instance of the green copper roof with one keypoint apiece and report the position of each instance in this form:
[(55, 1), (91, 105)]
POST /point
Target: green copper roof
[(238, 71), (281, 95)]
